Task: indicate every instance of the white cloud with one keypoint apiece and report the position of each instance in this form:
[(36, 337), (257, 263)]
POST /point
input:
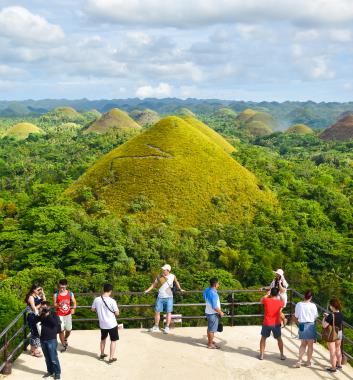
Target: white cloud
[(161, 91), (319, 68), (23, 27), (10, 72), (340, 35), (186, 13), (184, 71)]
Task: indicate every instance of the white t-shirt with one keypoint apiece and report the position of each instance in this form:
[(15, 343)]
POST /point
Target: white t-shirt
[(107, 319), (306, 312), (165, 290)]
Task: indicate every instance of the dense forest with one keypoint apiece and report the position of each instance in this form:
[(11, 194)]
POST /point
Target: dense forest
[(45, 234)]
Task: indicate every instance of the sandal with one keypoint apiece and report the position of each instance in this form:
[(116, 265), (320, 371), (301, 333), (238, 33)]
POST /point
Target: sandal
[(283, 357), (297, 365), (101, 357), (112, 360), (37, 354), (213, 347)]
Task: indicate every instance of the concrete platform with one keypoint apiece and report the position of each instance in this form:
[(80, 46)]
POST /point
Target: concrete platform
[(181, 355)]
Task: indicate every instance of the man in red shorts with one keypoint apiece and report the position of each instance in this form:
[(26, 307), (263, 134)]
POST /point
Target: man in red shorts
[(63, 299)]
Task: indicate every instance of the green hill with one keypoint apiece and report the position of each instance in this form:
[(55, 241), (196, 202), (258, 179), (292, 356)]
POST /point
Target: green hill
[(21, 131), (224, 111), (342, 130), (62, 115), (210, 133), (113, 119), (246, 115), (183, 111), (145, 117), (265, 118), (300, 129), (257, 128), (172, 169)]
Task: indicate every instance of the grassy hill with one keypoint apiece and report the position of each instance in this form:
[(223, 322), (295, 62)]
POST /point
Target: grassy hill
[(145, 117), (61, 115), (174, 170), (300, 129), (341, 130), (257, 128), (113, 119), (21, 131), (183, 111), (265, 118), (209, 132), (246, 115)]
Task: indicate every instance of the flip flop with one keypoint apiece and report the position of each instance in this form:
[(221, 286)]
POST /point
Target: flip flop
[(112, 360), (283, 357), (101, 357), (213, 347)]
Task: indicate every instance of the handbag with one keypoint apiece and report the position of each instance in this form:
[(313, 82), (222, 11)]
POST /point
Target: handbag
[(330, 333)]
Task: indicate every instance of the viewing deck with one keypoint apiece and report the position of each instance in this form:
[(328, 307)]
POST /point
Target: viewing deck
[(182, 355)]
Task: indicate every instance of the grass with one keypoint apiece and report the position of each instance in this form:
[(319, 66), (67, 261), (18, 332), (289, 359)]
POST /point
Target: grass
[(257, 128), (113, 119), (145, 117), (300, 129), (341, 130), (21, 131), (179, 171), (210, 133)]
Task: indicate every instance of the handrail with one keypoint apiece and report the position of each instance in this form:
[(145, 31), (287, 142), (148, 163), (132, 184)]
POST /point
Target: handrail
[(232, 315)]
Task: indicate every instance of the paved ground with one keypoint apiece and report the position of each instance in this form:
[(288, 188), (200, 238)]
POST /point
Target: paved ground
[(181, 355)]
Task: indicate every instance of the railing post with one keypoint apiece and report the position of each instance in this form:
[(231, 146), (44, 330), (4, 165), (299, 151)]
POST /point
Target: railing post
[(232, 310), (290, 306), (24, 331), (8, 368)]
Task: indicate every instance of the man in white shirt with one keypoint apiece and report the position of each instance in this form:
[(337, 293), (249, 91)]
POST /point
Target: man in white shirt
[(107, 311), (164, 302)]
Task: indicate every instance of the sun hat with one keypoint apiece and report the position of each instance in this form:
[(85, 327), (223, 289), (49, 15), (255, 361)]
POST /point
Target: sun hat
[(167, 267)]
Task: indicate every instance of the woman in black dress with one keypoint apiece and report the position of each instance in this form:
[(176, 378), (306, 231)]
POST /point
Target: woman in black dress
[(334, 318)]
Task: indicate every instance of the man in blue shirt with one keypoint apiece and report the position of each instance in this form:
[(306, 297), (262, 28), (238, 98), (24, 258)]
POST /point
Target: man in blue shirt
[(213, 311)]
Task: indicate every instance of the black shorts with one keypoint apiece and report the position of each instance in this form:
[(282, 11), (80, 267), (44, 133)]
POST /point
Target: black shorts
[(113, 334)]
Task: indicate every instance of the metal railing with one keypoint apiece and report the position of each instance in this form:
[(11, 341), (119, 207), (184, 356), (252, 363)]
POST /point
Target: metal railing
[(15, 337)]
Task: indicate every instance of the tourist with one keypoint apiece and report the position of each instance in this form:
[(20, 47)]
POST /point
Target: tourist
[(306, 314), (335, 318), (272, 321), (107, 311), (164, 303), (213, 311), (50, 326), (33, 300), (281, 284), (63, 299)]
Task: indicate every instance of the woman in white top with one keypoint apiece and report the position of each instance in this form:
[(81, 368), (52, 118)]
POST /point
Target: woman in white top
[(306, 314)]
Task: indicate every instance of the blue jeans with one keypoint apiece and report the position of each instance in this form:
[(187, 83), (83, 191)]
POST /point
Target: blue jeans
[(49, 348)]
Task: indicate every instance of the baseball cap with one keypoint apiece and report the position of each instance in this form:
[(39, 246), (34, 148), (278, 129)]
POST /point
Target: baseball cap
[(167, 267)]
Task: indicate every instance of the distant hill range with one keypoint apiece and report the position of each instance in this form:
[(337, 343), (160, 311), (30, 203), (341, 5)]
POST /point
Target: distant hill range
[(314, 115)]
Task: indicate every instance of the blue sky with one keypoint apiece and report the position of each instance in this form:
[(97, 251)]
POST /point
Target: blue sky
[(230, 49)]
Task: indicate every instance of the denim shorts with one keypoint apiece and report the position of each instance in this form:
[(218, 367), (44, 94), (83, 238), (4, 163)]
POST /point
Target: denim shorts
[(307, 331), (164, 305), (276, 331), (212, 322)]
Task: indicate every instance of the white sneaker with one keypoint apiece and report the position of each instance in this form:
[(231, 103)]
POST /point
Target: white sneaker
[(166, 330), (154, 329)]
